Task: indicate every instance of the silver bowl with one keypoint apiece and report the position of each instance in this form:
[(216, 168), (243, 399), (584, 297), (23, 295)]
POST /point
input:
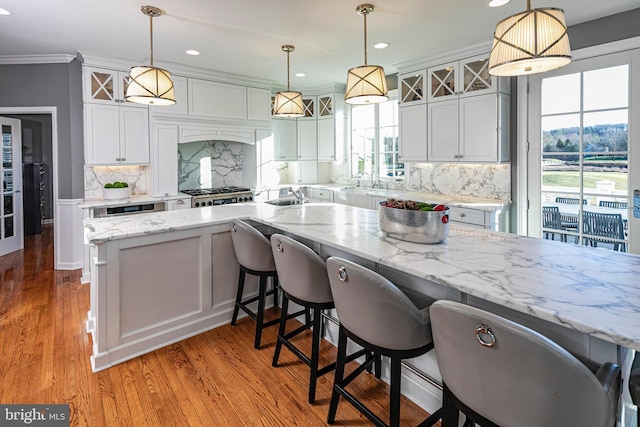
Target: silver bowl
[(414, 226)]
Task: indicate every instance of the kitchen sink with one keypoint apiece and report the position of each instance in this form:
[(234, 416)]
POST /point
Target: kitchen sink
[(283, 202)]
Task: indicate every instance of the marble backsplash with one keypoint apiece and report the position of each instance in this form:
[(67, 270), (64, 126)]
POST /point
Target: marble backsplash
[(206, 164), (486, 181), (96, 176)]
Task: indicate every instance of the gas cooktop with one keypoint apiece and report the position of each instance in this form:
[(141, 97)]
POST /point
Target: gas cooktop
[(216, 190), (219, 196)]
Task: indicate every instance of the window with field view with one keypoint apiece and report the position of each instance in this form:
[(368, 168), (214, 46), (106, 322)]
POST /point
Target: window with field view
[(584, 122)]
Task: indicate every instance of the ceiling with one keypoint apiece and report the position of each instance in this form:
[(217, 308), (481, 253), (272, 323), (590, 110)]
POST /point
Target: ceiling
[(245, 36)]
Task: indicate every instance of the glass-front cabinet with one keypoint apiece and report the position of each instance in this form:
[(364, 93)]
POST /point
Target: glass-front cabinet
[(325, 106), (309, 107), (465, 77), (412, 87), (105, 86)]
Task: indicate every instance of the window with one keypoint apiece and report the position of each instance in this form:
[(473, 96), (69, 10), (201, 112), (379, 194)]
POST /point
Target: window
[(374, 141)]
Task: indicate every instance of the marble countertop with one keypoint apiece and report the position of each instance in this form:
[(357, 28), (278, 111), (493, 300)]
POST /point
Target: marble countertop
[(133, 200), (593, 291), (451, 200)]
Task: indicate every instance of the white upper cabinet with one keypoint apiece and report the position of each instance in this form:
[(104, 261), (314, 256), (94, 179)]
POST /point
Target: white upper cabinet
[(285, 139), (309, 108), (116, 135), (412, 128), (412, 88), (332, 127), (307, 140), (258, 104), (471, 130), (466, 77), (218, 100), (180, 90), (116, 132)]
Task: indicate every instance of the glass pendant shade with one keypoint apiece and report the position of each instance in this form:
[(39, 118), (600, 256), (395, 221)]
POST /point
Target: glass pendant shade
[(288, 104), (150, 85), (366, 85), (534, 41)]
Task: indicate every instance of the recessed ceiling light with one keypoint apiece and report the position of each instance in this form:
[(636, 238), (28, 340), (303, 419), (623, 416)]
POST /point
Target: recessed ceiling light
[(300, 75), (381, 45), (498, 3), (4, 12), (193, 52)]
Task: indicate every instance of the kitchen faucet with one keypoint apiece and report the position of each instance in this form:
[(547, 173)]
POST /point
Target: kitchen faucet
[(298, 194)]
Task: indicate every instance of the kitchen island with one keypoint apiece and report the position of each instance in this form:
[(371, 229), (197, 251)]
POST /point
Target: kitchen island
[(158, 278)]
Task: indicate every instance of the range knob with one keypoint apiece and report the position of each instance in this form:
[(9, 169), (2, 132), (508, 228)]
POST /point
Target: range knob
[(197, 204), (210, 203)]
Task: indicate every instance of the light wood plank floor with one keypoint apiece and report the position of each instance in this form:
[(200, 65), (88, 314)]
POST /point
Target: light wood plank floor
[(213, 379)]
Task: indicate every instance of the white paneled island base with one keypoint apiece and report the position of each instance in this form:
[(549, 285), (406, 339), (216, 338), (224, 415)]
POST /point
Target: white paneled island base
[(162, 277)]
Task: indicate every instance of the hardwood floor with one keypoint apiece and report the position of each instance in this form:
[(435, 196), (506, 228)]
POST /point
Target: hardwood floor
[(213, 379)]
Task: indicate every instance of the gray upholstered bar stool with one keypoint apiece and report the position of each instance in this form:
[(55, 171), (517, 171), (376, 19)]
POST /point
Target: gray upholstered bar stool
[(500, 373), (253, 252), (634, 384), (378, 316), (303, 280)]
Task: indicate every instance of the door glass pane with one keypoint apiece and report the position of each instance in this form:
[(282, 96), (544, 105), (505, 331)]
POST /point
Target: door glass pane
[(443, 82), (606, 88), (6, 136), (411, 88), (102, 86), (7, 181), (606, 131), (561, 94), (7, 158), (561, 133), (476, 75), (8, 204), (8, 227)]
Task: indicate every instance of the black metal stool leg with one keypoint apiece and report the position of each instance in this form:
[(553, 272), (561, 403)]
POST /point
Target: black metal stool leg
[(335, 396), (262, 295), (281, 331), (315, 352), (238, 297), (394, 398)]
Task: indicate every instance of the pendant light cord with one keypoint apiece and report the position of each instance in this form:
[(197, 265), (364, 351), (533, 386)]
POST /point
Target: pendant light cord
[(288, 85), (365, 37), (151, 38)]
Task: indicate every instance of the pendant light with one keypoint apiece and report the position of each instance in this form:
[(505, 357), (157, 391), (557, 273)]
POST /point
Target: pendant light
[(530, 42), (366, 84), (150, 85), (288, 103)]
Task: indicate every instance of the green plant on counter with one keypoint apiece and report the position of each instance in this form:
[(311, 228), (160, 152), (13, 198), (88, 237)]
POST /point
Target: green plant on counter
[(116, 184)]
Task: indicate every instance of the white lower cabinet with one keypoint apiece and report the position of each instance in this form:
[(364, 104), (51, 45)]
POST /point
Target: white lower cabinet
[(116, 135), (174, 205), (496, 219), (352, 199)]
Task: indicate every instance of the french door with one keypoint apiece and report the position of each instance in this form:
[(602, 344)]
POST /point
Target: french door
[(581, 174), (11, 237)]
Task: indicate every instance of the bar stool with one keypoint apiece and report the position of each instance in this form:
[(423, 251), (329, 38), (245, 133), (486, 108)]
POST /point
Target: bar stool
[(378, 316), (500, 373), (634, 384), (303, 280), (253, 252)]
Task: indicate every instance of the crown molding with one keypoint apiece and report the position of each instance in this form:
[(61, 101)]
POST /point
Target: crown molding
[(442, 57), (36, 59)]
